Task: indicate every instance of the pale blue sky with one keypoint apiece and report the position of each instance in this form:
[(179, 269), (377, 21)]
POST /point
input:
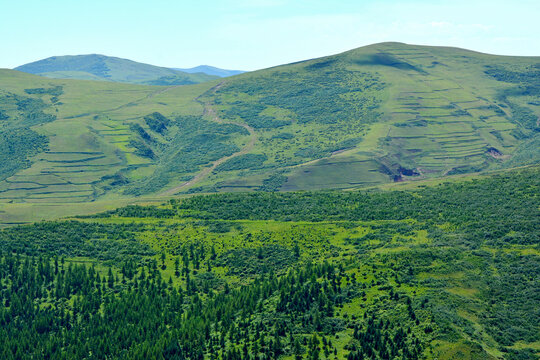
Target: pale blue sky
[(253, 34)]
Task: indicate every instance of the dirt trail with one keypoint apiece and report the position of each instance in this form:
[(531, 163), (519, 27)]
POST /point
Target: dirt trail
[(146, 97), (125, 105), (209, 111)]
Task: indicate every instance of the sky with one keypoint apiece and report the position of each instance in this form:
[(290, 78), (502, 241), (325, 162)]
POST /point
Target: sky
[(255, 34)]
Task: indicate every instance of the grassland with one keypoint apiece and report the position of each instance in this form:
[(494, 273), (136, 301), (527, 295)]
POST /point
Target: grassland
[(425, 112), (372, 116), (88, 153)]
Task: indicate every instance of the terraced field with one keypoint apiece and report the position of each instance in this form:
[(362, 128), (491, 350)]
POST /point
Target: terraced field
[(445, 123), (89, 143), (438, 112), (372, 116)]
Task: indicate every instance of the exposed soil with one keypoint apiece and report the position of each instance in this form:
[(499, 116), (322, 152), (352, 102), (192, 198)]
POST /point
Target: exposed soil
[(496, 154)]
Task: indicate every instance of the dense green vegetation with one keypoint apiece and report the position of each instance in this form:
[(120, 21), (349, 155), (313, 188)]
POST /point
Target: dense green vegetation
[(248, 161), (16, 146), (105, 242), (24, 111), (528, 80), (441, 272), (193, 142), (323, 97), (435, 205), (157, 122), (18, 143), (54, 91)]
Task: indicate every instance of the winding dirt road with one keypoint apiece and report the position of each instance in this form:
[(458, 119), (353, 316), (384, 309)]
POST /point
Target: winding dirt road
[(209, 111)]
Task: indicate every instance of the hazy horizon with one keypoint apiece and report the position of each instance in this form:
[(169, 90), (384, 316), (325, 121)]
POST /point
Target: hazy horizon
[(236, 69)]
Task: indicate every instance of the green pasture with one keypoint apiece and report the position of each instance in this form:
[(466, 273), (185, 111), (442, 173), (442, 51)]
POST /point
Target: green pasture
[(433, 111)]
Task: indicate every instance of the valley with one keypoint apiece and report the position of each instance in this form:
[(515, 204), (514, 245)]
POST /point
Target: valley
[(381, 203), (270, 180)]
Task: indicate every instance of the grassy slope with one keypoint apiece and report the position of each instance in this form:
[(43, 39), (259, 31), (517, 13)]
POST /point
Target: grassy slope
[(358, 119), (471, 272), (89, 140), (100, 67), (437, 112)]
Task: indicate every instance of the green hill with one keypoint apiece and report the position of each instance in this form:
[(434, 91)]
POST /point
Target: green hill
[(372, 116), (386, 111), (440, 272), (100, 67)]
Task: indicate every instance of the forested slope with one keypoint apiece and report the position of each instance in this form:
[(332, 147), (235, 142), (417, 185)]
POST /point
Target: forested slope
[(449, 271)]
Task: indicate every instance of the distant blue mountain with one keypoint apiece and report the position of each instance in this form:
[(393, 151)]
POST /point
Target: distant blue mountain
[(210, 70), (108, 68)]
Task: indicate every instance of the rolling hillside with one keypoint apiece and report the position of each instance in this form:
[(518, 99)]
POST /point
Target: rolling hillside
[(107, 68), (372, 116), (385, 112)]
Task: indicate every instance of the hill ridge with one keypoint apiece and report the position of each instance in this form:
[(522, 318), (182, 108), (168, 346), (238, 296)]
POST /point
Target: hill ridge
[(110, 68)]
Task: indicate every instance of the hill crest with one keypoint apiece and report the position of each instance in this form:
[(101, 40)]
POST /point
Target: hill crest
[(109, 68)]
